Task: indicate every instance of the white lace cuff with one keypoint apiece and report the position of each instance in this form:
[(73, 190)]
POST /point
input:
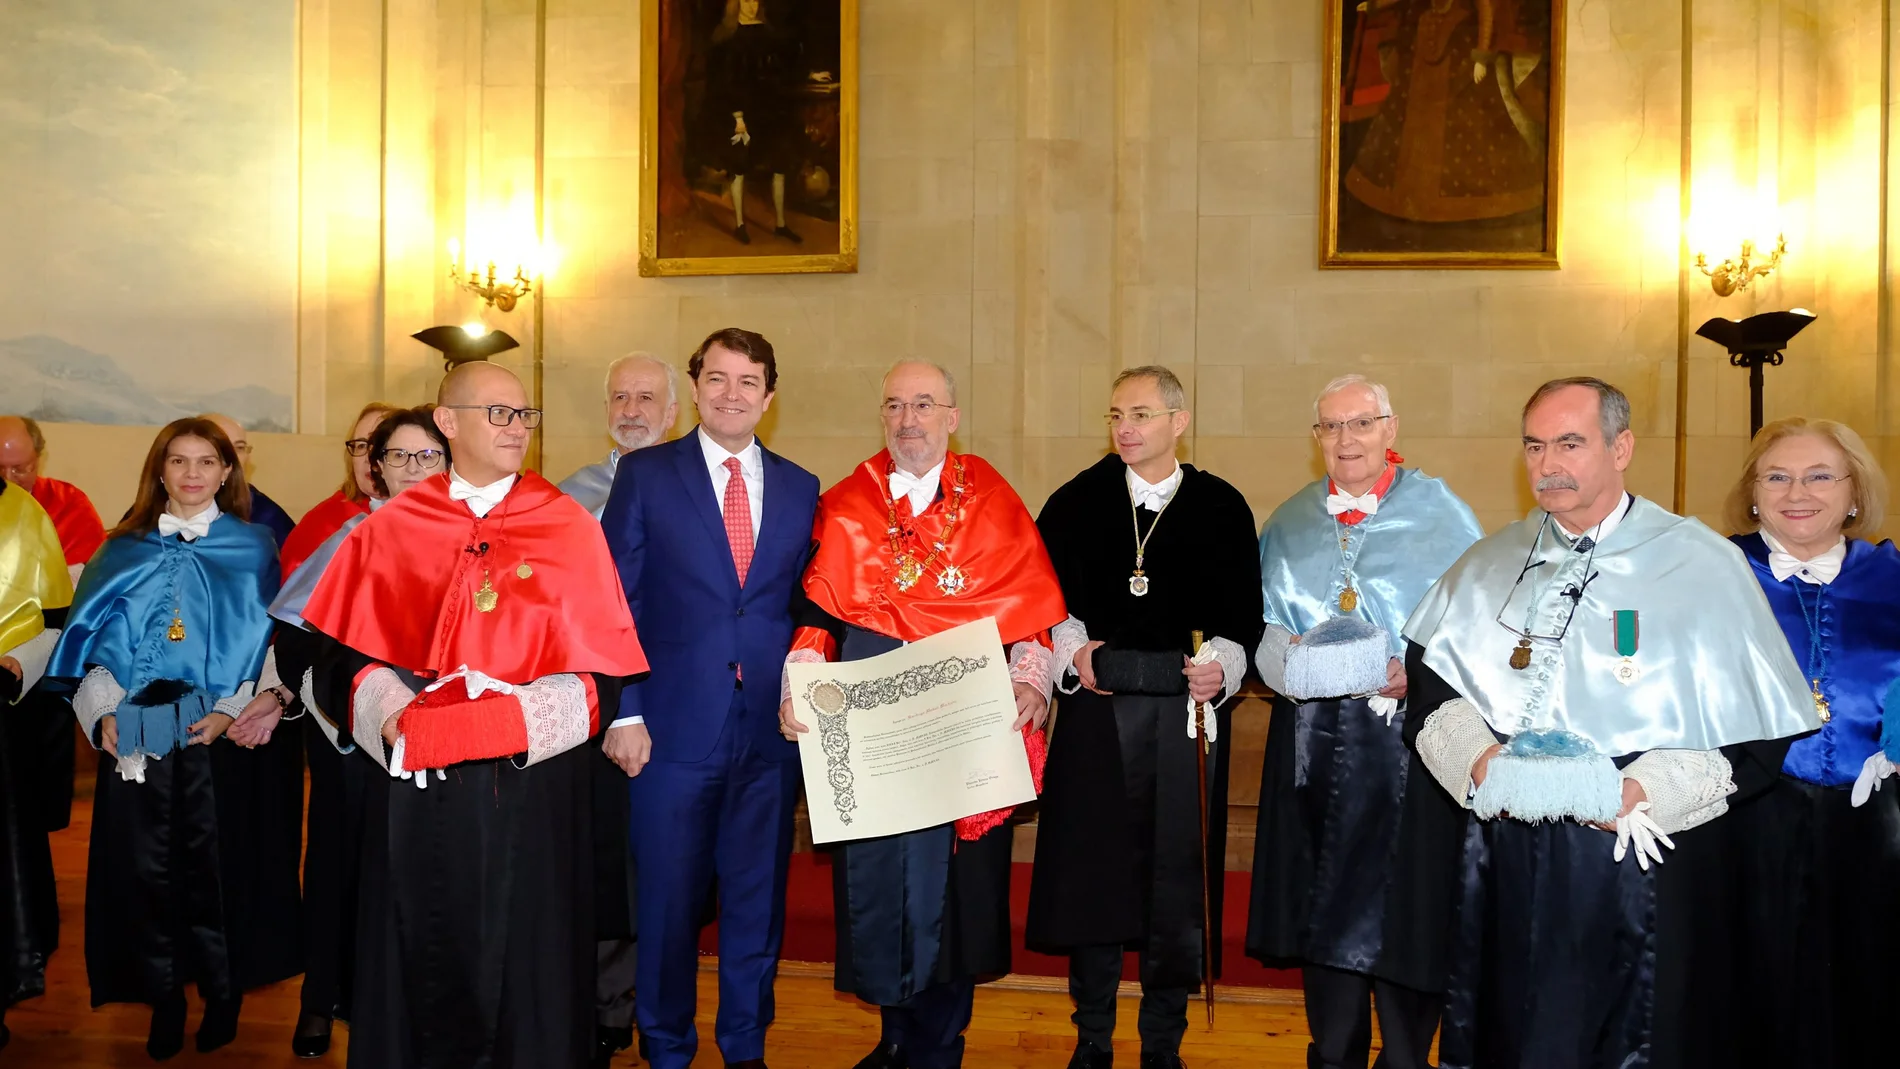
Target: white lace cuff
[(785, 678), (1270, 658), (232, 704), (555, 708), (1686, 788), (1033, 663), (381, 695), (1069, 637), (98, 696), (33, 655), (1450, 742), (308, 693), (1233, 666)]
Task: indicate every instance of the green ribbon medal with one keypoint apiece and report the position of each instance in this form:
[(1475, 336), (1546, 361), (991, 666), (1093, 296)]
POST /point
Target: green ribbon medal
[(1627, 631)]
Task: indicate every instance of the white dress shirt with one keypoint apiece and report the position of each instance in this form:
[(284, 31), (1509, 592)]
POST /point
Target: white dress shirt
[(921, 489), (1602, 530), (481, 499), (1153, 496), (751, 471)]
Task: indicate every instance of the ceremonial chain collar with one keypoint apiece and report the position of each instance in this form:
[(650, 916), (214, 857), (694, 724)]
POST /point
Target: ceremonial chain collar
[(907, 568)]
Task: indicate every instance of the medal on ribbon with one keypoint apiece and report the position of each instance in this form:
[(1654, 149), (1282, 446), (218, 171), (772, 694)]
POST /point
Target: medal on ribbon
[(1627, 632)]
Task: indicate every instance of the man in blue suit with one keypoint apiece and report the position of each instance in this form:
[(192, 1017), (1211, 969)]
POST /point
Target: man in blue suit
[(711, 534)]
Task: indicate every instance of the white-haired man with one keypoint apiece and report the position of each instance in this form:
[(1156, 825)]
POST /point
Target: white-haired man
[(1354, 552), (643, 402)]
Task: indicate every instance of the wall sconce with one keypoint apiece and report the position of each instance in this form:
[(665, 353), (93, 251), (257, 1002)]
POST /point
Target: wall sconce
[(1731, 275), (499, 294)]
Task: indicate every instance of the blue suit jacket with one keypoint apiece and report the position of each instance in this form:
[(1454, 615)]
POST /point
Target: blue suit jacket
[(667, 533)]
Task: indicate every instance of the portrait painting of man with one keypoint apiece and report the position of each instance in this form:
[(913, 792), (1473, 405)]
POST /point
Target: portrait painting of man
[(750, 120), (1441, 142)]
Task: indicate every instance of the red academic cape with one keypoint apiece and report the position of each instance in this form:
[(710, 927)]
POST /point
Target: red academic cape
[(80, 531), (316, 527), (402, 591), (995, 543)]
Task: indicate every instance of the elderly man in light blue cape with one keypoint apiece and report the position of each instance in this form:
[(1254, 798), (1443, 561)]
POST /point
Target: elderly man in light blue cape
[(1342, 563), (642, 405), (1592, 687)]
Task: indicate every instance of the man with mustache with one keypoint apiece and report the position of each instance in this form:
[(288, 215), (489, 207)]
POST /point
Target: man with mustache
[(710, 535), (1590, 687), (642, 406), (1149, 551), (919, 539), (1363, 544)]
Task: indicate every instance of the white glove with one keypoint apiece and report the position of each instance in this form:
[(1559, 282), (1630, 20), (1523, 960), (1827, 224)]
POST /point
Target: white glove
[(419, 777), (478, 683), (1635, 828), (132, 769), (1206, 655), (740, 136), (1384, 706), (1875, 769)]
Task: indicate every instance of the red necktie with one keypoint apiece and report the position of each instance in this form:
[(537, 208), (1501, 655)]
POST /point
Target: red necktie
[(738, 519)]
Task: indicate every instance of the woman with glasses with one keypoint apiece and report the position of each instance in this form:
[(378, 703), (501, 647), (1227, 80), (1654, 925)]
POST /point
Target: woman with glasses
[(403, 449), (1820, 850), (351, 499), (188, 877)]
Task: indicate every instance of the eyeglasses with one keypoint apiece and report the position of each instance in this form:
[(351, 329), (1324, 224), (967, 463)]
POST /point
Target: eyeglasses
[(895, 409), (411, 458), (1141, 417), (1782, 482), (1330, 428), (1574, 592), (20, 471), (242, 449), (356, 447), (503, 415)]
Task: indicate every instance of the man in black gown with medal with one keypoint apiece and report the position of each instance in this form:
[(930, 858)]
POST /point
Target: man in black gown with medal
[(1149, 552)]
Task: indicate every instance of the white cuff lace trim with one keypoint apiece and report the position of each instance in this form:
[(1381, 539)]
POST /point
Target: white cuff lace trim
[(381, 695), (307, 692), (99, 695), (1450, 742), (1270, 658), (232, 704), (1069, 637), (1033, 663), (1686, 788), (555, 708), (1233, 666), (33, 655), (785, 678)]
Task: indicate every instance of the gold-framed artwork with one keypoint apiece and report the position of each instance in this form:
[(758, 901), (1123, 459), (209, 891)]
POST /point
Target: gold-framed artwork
[(1441, 139), (749, 128)]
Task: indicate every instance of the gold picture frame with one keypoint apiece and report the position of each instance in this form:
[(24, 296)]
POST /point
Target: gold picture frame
[(1395, 92), (799, 159)]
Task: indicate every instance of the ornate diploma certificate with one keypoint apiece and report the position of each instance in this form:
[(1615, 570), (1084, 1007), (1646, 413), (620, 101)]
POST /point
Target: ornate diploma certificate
[(916, 737)]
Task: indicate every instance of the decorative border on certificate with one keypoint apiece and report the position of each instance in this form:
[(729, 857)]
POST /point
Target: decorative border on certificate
[(833, 702)]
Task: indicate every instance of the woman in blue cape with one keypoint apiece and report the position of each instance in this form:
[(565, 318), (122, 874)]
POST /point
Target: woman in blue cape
[(188, 877), (1814, 961)]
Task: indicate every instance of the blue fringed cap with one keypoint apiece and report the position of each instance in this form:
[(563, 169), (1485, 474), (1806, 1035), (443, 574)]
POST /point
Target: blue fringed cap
[(1550, 775), (1338, 657), (1890, 724)]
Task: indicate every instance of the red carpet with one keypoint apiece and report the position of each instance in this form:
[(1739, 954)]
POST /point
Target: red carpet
[(809, 935)]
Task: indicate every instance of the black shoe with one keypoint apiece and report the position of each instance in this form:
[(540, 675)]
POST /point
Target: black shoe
[(740, 233), (788, 234), (1089, 1056), (312, 1038), (219, 1025), (167, 1034), (749, 1063), (1162, 1061), (885, 1056), (609, 1042)]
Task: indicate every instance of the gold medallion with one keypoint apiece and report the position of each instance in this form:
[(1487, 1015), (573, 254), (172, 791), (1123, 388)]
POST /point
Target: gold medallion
[(485, 596), (908, 572), (176, 632), (1521, 656), (1348, 600), (524, 571), (1821, 708)]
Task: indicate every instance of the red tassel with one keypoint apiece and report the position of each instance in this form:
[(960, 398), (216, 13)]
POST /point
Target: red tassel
[(972, 828), (440, 731)]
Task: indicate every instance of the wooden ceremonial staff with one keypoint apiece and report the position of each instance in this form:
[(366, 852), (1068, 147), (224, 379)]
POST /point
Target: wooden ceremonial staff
[(1207, 914)]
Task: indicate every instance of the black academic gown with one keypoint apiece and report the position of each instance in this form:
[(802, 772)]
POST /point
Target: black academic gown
[(1118, 858), (1551, 954), (475, 941), (29, 911)]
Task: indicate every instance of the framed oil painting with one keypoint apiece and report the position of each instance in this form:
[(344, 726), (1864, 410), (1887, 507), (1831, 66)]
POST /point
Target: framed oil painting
[(1441, 140), (749, 117)]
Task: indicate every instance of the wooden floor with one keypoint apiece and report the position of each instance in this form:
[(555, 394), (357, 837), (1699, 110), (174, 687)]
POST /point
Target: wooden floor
[(1016, 1025)]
